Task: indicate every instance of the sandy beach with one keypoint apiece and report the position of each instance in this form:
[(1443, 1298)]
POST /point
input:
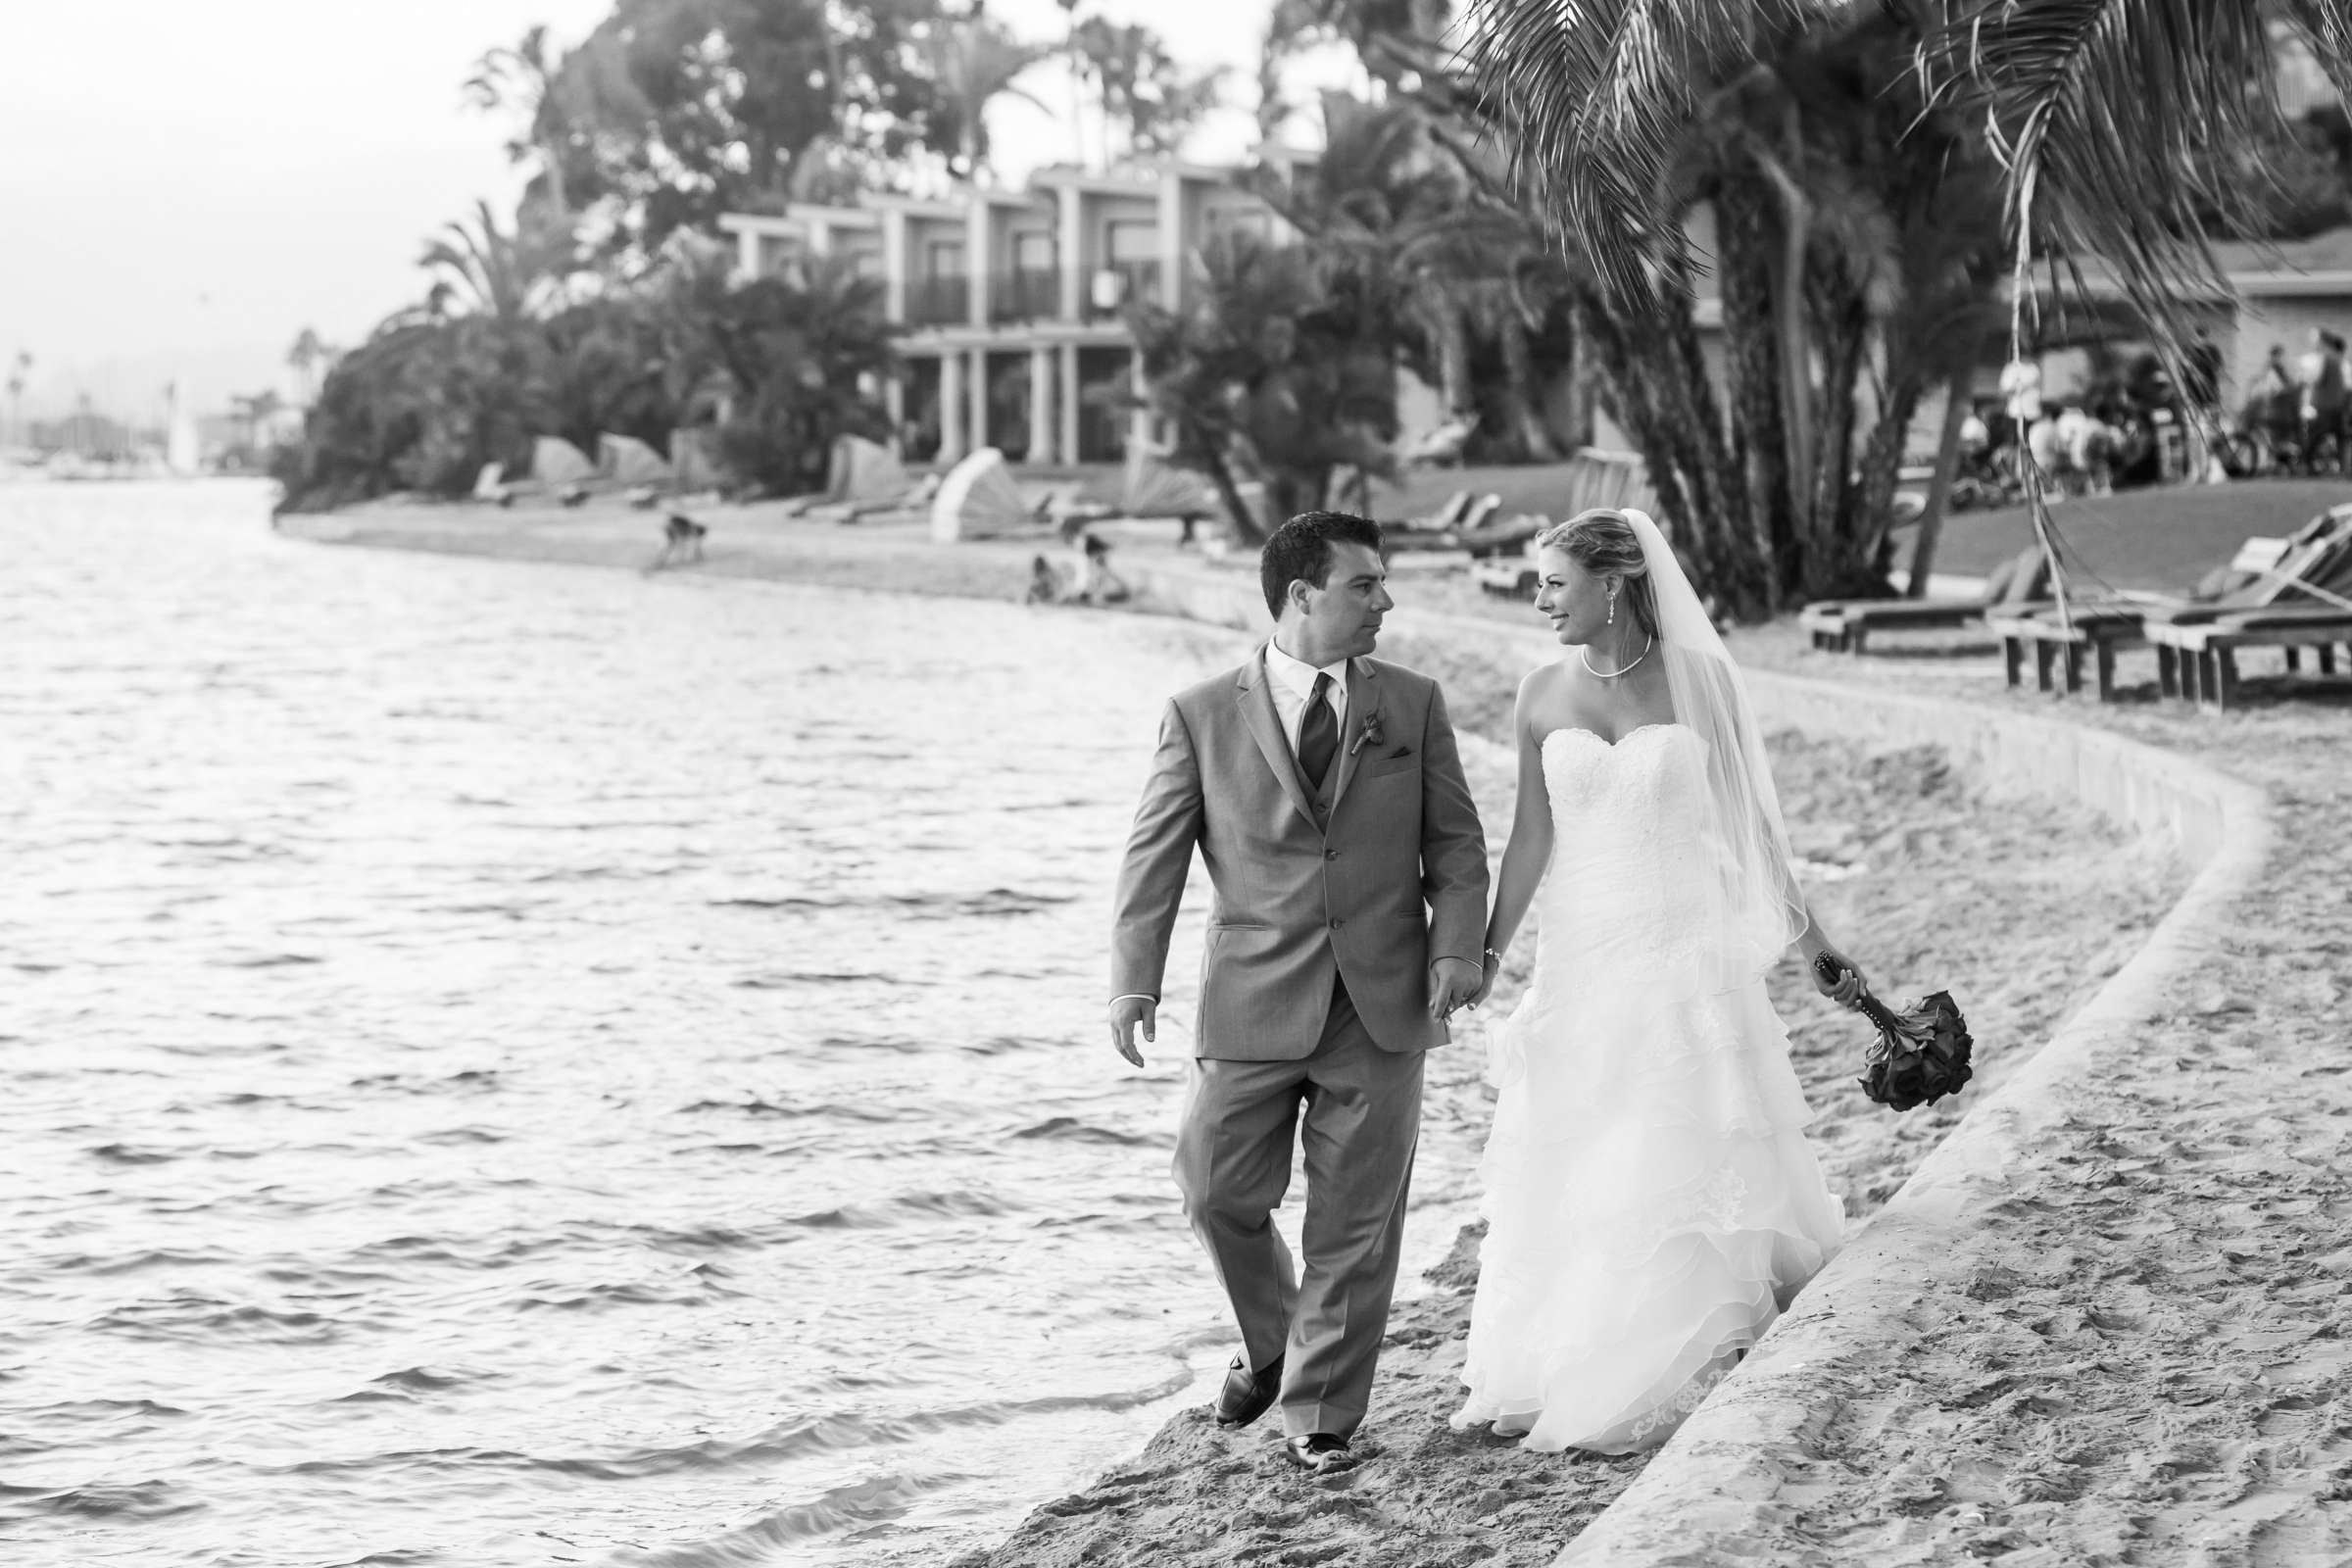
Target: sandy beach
[(2137, 1360)]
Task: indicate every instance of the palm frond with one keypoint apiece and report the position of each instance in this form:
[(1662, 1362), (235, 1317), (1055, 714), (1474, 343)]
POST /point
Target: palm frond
[(2107, 116), (1593, 97)]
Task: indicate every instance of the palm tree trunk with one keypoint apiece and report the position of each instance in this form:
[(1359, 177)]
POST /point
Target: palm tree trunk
[(1751, 359), (1939, 493), (1519, 374)]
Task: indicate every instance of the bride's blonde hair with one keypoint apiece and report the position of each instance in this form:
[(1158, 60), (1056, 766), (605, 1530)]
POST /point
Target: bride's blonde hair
[(1601, 541)]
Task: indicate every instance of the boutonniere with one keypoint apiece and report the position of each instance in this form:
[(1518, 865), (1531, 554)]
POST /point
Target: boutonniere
[(1369, 734)]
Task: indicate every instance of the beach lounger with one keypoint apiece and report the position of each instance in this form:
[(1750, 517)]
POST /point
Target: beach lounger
[(2198, 661), (1844, 625), (2319, 554)]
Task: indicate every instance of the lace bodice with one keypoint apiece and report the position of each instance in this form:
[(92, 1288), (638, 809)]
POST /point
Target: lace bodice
[(1625, 889)]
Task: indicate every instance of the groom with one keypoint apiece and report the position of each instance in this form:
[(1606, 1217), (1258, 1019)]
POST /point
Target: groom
[(1325, 795)]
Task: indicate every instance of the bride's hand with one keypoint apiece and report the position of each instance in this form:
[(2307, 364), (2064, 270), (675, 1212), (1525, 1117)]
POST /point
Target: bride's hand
[(1848, 989)]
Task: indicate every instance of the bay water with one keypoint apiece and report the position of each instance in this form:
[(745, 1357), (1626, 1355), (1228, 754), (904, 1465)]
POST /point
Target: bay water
[(513, 1063)]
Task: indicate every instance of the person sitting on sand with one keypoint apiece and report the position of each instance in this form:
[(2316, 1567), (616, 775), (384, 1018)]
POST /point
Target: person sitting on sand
[(1045, 583), (1099, 585)]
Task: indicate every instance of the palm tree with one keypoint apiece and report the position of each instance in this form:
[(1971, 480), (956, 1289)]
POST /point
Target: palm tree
[(2104, 118), (492, 272), (520, 78), (971, 61)]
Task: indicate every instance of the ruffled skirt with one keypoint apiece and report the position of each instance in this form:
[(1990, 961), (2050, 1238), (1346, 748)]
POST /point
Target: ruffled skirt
[(1651, 1207)]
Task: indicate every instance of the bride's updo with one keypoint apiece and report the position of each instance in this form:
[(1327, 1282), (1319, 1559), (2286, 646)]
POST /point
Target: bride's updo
[(1603, 541)]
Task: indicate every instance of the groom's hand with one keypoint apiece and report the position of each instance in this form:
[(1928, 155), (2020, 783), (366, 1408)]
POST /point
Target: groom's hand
[(1125, 1014), (1452, 982)]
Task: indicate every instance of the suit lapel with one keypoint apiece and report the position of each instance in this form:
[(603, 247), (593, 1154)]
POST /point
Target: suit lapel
[(1256, 701), (1363, 706)]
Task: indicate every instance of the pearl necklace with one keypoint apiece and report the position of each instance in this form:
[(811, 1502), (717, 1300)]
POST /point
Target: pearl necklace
[(1586, 653)]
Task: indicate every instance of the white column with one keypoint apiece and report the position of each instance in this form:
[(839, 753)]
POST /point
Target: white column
[(977, 385), (950, 404), (977, 225), (1072, 252), (1066, 401), (747, 254), (1172, 239), (894, 404), (894, 264), (1041, 404), (1139, 422)]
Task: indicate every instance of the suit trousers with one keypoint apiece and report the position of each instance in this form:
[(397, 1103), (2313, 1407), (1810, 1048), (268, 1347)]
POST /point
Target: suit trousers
[(1358, 1110)]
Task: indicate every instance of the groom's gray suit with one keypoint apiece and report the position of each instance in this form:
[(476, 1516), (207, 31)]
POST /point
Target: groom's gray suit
[(1314, 993)]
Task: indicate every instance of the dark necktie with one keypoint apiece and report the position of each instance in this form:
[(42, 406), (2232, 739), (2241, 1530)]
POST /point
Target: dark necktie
[(1318, 734)]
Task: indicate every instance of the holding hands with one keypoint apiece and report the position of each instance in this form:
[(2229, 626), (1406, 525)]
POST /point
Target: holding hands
[(1453, 983)]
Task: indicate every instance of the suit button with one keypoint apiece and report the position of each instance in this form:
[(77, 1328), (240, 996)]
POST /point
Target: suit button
[(1336, 924), (1331, 855)]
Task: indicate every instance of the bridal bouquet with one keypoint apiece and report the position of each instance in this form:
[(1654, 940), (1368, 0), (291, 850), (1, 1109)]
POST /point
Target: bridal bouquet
[(1921, 1053)]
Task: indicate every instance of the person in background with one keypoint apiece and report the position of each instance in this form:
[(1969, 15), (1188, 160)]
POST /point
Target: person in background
[(2325, 393)]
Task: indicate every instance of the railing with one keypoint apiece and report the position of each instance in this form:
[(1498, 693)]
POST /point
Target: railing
[(1024, 294), (943, 300), (1114, 286)]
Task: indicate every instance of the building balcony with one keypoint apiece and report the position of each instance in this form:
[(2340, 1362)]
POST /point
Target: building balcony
[(1025, 294), (1112, 287), (943, 300)]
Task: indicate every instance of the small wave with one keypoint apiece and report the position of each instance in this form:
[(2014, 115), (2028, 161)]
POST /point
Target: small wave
[(841, 1509), (186, 1316), (1070, 1129), (136, 1499), (879, 1216), (132, 1154), (409, 1383), (270, 961), (695, 1286), (782, 979)]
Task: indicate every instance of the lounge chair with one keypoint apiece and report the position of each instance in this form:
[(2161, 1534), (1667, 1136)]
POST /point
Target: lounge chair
[(1845, 624), (2198, 661), (1445, 444), (2318, 553)]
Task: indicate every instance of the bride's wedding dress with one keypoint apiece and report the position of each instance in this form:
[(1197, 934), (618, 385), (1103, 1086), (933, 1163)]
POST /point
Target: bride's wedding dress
[(1650, 1199)]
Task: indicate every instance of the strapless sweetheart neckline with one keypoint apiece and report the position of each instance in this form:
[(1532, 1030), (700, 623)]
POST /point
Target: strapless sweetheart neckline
[(1579, 729)]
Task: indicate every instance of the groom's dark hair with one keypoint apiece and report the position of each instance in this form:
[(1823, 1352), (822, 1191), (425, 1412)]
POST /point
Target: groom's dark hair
[(1300, 551)]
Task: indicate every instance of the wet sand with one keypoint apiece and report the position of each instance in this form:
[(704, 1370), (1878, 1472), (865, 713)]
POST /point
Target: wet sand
[(2138, 1360)]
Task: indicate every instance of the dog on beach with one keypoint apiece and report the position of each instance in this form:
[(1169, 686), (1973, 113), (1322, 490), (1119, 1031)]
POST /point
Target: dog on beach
[(681, 541)]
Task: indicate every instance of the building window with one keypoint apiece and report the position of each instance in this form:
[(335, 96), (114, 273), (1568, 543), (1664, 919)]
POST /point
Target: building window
[(1130, 272)]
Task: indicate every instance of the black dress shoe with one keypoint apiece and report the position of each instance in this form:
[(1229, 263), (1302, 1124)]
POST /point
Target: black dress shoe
[(1247, 1395), (1320, 1453)]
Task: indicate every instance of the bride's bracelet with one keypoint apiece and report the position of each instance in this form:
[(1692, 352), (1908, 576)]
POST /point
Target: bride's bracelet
[(1493, 959)]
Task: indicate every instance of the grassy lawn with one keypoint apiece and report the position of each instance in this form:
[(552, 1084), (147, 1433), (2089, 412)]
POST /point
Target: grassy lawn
[(2154, 539)]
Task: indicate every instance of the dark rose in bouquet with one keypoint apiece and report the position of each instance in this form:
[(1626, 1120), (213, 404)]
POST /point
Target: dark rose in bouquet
[(1921, 1053)]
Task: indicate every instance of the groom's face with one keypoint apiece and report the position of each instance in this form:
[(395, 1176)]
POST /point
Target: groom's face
[(1342, 618)]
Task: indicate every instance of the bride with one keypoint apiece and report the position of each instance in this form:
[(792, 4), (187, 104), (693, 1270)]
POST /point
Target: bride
[(1650, 1199)]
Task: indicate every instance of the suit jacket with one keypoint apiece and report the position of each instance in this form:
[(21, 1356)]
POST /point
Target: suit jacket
[(1382, 874)]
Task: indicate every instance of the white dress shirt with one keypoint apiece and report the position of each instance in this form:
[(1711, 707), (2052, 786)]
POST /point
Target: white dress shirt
[(1293, 682)]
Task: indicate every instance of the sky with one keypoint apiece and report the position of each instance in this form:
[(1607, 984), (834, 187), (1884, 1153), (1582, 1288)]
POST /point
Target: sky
[(185, 188)]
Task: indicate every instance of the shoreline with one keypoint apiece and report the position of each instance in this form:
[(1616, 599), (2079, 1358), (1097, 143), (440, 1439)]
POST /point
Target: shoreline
[(1200, 1495)]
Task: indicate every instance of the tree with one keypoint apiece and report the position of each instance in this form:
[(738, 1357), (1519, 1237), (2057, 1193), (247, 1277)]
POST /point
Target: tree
[(484, 270), (2103, 119), (1280, 370), (309, 359), (971, 60), (1141, 87), (521, 79), (672, 111), (806, 363)]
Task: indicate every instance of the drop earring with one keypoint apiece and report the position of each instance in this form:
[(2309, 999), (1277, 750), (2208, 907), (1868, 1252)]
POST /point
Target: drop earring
[(1613, 620)]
